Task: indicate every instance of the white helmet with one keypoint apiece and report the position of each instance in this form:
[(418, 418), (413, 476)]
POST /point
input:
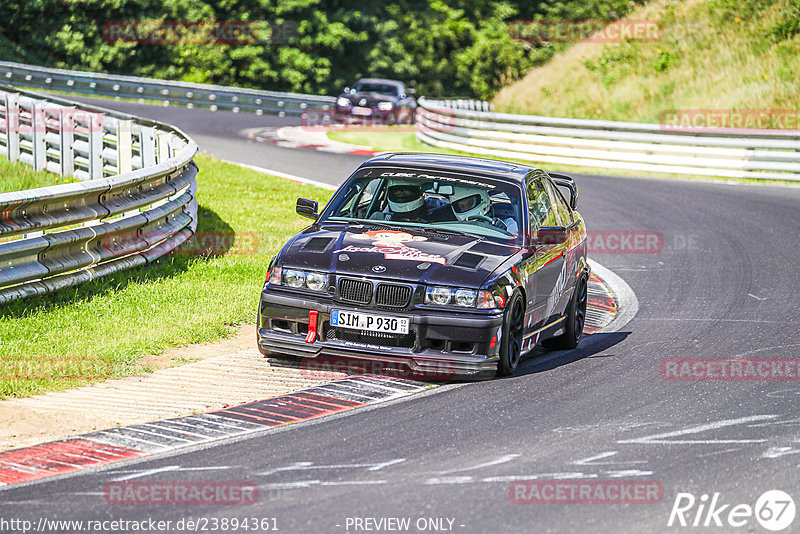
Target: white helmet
[(468, 203), (404, 197)]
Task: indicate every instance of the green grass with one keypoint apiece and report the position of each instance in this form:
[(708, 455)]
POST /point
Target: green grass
[(714, 54), (389, 141), (16, 176), (408, 142), (103, 328), (393, 141)]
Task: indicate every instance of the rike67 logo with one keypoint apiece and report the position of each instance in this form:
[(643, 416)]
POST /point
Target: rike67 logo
[(774, 510)]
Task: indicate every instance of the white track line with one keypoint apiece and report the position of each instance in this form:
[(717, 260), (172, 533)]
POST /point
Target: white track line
[(280, 174)]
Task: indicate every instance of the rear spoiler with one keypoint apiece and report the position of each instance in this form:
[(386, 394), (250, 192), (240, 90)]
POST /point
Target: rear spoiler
[(566, 181)]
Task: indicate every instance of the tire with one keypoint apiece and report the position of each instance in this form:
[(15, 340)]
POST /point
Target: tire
[(576, 318), (511, 343)]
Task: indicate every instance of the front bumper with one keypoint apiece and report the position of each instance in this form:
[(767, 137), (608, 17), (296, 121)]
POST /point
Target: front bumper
[(347, 116), (440, 343)]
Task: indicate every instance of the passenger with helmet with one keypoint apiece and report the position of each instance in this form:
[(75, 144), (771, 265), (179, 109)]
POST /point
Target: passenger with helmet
[(474, 205)]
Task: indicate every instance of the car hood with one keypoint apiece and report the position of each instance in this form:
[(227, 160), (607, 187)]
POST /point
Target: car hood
[(409, 255)]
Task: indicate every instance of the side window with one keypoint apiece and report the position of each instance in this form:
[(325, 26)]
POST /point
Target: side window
[(369, 192), (366, 198), (560, 207), (540, 210), (357, 198)]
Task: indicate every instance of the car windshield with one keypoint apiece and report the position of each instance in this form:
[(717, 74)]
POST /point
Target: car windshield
[(471, 205), (380, 88)]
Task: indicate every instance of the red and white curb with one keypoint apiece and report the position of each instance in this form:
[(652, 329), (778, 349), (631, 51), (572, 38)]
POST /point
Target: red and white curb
[(124, 443), (135, 441), (601, 307), (307, 138)]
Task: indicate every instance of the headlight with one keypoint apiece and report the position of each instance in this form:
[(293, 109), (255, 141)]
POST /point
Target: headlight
[(294, 278), (385, 106), (342, 102), (466, 298), (445, 296), (316, 281), (298, 279), (438, 295)]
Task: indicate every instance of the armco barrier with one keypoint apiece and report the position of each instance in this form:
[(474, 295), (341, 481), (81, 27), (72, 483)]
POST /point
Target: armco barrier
[(216, 97), (136, 201), (468, 126)]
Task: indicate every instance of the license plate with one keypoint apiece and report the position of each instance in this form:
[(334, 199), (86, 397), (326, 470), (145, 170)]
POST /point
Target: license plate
[(364, 321), (364, 112)]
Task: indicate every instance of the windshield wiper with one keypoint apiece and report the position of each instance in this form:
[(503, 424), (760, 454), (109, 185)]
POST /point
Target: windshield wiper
[(454, 232), (423, 229), (382, 224)]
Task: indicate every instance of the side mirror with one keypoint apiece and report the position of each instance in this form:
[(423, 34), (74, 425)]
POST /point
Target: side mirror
[(307, 208), (551, 235), (562, 180)]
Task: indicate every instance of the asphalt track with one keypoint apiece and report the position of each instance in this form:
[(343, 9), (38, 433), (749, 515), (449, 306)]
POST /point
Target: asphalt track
[(723, 285)]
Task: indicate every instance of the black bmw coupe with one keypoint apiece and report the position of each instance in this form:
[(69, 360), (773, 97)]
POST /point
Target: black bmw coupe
[(442, 263)]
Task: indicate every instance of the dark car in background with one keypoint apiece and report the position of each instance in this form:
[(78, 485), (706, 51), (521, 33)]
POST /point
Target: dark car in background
[(445, 263), (376, 101)]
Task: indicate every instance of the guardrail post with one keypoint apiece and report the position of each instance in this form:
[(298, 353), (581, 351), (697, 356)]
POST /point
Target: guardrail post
[(12, 126), (124, 146), (147, 145), (162, 142), (95, 146), (66, 120), (38, 131)]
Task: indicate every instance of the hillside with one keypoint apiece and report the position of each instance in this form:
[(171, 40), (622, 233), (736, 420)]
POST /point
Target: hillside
[(713, 54)]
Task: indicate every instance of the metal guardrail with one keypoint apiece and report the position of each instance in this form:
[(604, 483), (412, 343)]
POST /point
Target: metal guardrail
[(215, 97), (136, 201), (467, 127)]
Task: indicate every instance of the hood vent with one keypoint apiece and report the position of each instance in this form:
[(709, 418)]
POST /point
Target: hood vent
[(469, 260), (317, 244)]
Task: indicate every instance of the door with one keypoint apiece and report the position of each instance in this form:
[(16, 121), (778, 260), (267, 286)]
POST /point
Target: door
[(550, 265)]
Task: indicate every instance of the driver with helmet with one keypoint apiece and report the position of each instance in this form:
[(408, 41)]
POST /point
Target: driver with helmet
[(406, 203)]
